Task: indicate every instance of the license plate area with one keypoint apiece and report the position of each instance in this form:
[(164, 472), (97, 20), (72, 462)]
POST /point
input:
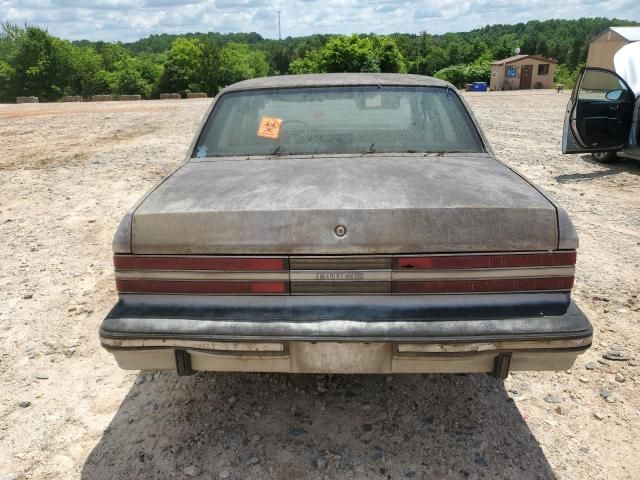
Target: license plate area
[(347, 357)]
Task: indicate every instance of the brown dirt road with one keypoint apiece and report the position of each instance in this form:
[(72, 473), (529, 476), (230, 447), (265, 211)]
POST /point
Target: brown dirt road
[(67, 174)]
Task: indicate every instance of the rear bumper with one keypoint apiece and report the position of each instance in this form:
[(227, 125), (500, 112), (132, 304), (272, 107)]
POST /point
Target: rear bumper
[(349, 334)]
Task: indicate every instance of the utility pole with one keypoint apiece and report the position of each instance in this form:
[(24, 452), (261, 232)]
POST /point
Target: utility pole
[(279, 31)]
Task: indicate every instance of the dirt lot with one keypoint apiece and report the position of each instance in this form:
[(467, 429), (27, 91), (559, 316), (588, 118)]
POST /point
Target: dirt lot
[(67, 174)]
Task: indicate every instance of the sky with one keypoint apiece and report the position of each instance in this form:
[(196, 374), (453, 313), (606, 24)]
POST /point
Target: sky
[(128, 20)]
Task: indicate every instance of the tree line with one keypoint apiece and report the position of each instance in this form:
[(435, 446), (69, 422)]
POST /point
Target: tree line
[(34, 62)]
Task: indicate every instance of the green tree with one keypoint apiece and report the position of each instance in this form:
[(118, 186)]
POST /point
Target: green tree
[(352, 54), (504, 49), (192, 65), (458, 75), (86, 63), (567, 76), (40, 65), (111, 54), (310, 63), (209, 67), (435, 59), (389, 58), (32, 62), (240, 62), (453, 74), (349, 54), (7, 74), (105, 82), (128, 79), (279, 55), (10, 36), (181, 68), (151, 69)]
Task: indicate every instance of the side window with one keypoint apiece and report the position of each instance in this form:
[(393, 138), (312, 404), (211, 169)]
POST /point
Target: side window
[(543, 69), (602, 85)]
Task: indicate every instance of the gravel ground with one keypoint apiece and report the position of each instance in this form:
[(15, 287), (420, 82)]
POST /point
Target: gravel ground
[(67, 174)]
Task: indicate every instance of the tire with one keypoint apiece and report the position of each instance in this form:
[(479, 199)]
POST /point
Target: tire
[(604, 157)]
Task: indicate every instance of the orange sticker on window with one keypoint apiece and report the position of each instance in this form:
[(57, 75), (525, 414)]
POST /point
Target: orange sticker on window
[(269, 127)]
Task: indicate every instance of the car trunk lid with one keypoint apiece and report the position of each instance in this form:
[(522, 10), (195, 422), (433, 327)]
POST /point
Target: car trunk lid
[(386, 204)]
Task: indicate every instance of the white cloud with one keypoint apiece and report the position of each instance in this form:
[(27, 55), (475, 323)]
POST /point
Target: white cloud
[(128, 20)]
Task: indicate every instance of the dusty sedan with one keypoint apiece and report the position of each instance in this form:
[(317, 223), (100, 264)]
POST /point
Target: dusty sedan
[(344, 223)]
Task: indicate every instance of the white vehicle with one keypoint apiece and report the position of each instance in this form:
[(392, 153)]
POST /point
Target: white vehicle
[(603, 114)]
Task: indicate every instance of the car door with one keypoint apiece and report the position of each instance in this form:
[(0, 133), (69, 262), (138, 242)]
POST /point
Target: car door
[(599, 114)]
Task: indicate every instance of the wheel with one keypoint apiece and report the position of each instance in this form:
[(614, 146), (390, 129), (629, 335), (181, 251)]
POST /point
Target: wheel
[(604, 157)]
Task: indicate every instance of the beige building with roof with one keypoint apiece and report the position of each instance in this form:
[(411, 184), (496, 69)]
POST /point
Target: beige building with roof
[(604, 46), (522, 72)]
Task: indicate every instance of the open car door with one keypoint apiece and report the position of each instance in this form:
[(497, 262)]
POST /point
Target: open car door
[(599, 114)]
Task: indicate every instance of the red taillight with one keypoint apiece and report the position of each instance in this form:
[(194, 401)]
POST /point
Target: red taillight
[(356, 275), (483, 273), (484, 286), (486, 261), (201, 287), (202, 275), (136, 262)]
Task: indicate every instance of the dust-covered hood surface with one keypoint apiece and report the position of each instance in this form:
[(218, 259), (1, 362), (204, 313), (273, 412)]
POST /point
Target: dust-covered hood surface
[(388, 204)]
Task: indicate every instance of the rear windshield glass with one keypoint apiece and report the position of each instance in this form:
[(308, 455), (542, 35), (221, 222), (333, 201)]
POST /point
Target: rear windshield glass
[(338, 120)]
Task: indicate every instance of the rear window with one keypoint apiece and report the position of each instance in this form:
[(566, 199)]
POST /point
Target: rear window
[(338, 120)]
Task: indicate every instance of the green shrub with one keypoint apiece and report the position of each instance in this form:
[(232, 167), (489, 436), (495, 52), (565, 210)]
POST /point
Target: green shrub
[(566, 76), (459, 75)]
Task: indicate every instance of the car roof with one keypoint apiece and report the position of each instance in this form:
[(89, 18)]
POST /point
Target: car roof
[(336, 80)]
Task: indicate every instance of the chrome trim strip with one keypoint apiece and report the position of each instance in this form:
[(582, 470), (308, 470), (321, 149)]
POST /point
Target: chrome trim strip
[(332, 276), (480, 254), (401, 348), (404, 348), (250, 347), (490, 292), (199, 255), (482, 273)]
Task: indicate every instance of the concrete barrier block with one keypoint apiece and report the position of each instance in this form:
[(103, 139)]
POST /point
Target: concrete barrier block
[(196, 95), (27, 100), (72, 98), (130, 98), (101, 98), (170, 96)]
